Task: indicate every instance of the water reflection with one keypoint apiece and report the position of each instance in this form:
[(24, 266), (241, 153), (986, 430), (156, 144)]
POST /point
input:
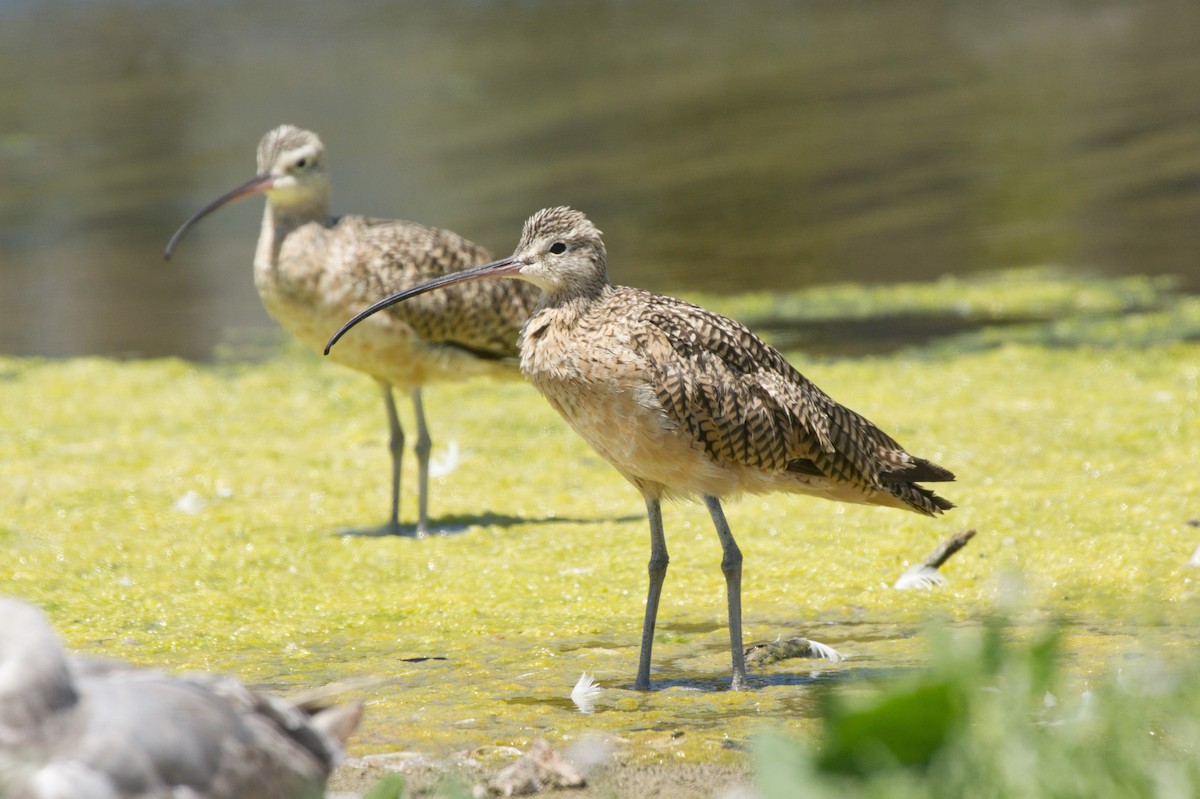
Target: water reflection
[(720, 147)]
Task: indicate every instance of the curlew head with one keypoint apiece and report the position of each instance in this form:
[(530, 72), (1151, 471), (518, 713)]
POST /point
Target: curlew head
[(560, 252), (291, 172)]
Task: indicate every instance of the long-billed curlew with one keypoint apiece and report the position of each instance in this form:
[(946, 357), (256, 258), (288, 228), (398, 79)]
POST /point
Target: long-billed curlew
[(684, 402), (313, 269)]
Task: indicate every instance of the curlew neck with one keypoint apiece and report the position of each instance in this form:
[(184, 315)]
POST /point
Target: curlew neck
[(282, 218)]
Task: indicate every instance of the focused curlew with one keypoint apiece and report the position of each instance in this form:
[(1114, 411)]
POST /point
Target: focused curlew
[(684, 402), (313, 269)]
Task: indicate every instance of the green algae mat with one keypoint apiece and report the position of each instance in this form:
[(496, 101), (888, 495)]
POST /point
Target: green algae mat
[(195, 517)]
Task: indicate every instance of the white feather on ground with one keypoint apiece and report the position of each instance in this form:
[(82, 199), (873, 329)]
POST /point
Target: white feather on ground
[(585, 693), (919, 576), (925, 575)]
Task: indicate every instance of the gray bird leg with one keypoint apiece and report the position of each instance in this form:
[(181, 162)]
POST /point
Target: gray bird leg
[(423, 448), (731, 566), (658, 572), (396, 448)]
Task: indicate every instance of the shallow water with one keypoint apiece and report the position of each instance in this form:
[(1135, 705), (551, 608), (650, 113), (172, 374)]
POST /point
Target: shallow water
[(764, 146)]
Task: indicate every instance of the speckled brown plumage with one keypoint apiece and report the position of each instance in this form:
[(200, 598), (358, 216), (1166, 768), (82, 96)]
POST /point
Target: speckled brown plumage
[(313, 269), (685, 402), (720, 411)]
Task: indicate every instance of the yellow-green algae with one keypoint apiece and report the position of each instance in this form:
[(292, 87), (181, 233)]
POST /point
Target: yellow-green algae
[(1076, 465)]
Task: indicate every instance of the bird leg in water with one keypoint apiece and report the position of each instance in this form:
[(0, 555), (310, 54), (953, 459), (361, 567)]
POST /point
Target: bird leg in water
[(658, 572), (396, 448), (731, 566), (423, 448)]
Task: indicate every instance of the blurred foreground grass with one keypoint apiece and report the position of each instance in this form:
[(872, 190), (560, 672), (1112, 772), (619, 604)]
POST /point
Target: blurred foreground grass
[(188, 516), (990, 718)]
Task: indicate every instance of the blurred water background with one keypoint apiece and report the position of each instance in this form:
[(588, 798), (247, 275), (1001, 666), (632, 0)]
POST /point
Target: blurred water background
[(721, 147)]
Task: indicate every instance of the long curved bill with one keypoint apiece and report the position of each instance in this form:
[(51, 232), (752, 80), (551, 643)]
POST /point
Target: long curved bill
[(256, 185), (505, 267)]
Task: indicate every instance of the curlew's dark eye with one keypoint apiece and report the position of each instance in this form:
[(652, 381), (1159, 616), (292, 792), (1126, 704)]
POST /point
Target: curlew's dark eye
[(558, 248), (303, 162)]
